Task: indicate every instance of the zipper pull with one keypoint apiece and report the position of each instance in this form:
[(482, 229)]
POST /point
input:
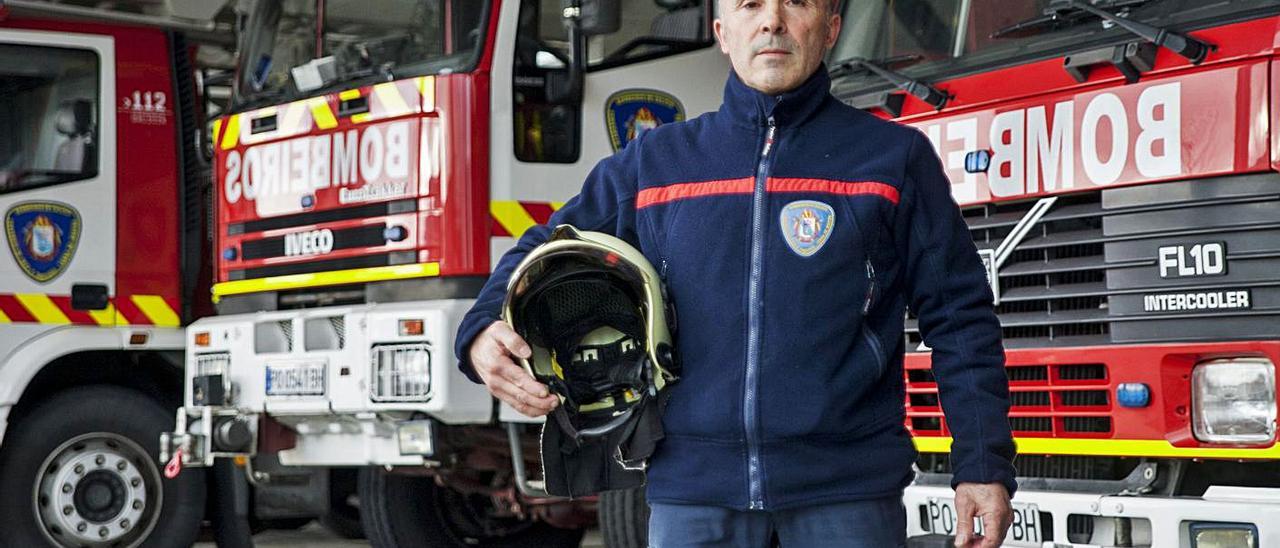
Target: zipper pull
[(768, 138), (871, 288)]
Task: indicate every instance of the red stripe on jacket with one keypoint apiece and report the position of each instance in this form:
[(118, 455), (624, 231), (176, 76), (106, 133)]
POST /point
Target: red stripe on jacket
[(683, 191)]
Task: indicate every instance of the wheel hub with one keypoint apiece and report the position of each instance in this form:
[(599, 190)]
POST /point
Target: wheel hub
[(98, 489), (100, 496)]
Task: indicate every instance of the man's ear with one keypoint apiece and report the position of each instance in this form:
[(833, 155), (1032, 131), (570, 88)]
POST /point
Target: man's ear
[(833, 30), (718, 28)]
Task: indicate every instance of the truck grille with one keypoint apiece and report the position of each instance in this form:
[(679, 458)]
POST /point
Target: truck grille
[(1067, 467), (1067, 400), (1089, 269), (372, 238)]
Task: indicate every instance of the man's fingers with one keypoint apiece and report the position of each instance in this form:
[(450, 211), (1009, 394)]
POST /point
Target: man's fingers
[(510, 340), (510, 382), (522, 401), (964, 523), (521, 389), (518, 376), (993, 530)]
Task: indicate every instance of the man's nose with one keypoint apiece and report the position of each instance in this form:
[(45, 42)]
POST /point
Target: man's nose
[(772, 17)]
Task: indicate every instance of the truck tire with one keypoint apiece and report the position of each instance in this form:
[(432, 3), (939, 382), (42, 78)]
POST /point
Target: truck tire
[(81, 469), (624, 518), (400, 511)]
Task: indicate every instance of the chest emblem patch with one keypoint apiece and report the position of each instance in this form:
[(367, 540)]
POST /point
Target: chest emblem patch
[(806, 226), (42, 237)]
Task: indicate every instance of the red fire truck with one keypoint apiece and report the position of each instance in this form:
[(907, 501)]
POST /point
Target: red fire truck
[(105, 257), (101, 203), (1115, 160), (1116, 163), (376, 161)]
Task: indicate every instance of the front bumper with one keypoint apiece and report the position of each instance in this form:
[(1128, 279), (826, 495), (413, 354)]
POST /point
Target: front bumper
[(340, 409), (1163, 522)]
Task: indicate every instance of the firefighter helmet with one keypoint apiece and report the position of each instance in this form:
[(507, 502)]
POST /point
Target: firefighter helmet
[(592, 309)]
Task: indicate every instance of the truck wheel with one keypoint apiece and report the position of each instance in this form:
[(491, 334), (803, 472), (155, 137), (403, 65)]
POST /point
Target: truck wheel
[(413, 512), (343, 517), (81, 470), (624, 518)]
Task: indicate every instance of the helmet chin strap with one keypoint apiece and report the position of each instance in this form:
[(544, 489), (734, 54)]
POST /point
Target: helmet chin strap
[(561, 414), (578, 436)]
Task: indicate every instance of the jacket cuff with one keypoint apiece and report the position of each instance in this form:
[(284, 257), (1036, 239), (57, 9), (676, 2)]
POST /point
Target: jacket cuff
[(997, 471), (472, 325)]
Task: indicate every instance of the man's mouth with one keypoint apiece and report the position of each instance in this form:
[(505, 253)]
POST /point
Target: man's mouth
[(773, 52)]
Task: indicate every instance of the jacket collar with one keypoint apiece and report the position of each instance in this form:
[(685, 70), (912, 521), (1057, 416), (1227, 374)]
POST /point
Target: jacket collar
[(744, 104)]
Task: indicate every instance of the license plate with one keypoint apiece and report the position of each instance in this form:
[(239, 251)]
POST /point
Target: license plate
[(296, 379), (1024, 531)]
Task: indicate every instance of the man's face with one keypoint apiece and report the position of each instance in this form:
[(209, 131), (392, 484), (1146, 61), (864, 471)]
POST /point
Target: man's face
[(775, 45)]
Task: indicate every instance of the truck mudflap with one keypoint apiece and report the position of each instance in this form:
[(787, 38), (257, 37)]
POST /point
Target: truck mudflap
[(1228, 515)]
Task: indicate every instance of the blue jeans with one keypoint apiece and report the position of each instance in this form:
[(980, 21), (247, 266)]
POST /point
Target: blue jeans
[(860, 524)]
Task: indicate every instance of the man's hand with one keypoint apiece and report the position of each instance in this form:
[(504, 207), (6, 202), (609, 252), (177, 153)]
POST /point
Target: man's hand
[(988, 501), (491, 355)]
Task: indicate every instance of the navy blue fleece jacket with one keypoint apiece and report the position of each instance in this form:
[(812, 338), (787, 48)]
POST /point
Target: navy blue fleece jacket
[(791, 232)]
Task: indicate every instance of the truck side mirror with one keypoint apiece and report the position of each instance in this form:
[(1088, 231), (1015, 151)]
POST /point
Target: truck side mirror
[(599, 16), (583, 18)]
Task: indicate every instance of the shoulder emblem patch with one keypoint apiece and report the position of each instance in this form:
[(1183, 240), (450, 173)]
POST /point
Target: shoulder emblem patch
[(631, 112), (42, 237), (806, 226)]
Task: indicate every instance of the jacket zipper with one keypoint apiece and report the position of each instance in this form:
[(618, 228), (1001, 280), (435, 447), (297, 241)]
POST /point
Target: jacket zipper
[(750, 415), (871, 288), (872, 340)]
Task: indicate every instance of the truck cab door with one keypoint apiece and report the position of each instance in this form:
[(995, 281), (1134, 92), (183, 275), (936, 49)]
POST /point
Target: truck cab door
[(57, 180), (660, 66)]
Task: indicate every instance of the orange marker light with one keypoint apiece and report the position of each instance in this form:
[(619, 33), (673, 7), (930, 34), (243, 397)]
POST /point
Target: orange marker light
[(412, 327), (202, 338)]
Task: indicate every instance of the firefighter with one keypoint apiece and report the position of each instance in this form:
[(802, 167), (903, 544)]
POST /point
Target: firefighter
[(791, 231)]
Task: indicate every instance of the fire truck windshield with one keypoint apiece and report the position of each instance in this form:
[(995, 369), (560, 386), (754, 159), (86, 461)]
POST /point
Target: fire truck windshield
[(359, 41), (945, 38)]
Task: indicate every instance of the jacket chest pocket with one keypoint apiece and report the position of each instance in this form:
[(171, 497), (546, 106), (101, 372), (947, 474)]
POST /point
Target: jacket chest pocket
[(875, 244)]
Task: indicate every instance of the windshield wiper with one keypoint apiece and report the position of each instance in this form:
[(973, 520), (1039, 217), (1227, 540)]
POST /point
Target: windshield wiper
[(1056, 17), (1067, 12), (363, 76), (919, 89), (277, 96)]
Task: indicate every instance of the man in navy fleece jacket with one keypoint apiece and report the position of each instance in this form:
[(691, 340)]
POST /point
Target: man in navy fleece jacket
[(791, 231)]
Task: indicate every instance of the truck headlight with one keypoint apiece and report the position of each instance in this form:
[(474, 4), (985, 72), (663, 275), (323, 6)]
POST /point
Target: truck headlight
[(401, 373), (1223, 535), (1234, 401)]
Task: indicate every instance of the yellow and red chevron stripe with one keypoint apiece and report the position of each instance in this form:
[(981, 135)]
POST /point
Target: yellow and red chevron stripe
[(56, 310), (510, 218), (385, 100)]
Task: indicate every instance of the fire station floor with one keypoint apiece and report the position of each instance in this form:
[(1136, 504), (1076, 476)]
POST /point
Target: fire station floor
[(313, 535)]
